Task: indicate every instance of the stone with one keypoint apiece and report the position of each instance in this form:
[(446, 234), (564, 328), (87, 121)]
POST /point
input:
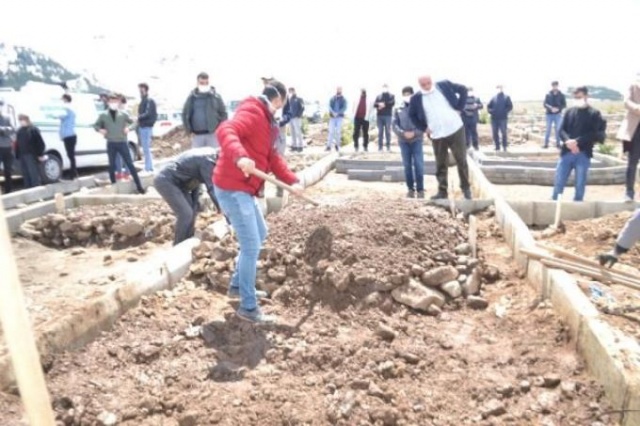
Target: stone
[(278, 275), (548, 401), (387, 416), (462, 279), (551, 381), (438, 276), (453, 289), (417, 270), (107, 419), (477, 303), (568, 389), (525, 386), (77, 252), (463, 249), (434, 311), (188, 419), (375, 391), (505, 391), (491, 274), (493, 408), (203, 250), (417, 296), (129, 228), (385, 332), (343, 283), (472, 285), (222, 254), (462, 261)]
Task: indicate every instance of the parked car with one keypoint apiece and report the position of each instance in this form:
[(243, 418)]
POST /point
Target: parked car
[(91, 149), (167, 121)]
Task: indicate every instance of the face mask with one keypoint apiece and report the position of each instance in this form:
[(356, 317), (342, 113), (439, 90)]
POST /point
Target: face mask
[(202, 88), (339, 94), (385, 90), (426, 92), (24, 124), (406, 99), (113, 106), (580, 103), (469, 93)]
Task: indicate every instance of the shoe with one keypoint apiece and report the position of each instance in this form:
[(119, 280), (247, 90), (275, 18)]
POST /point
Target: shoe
[(440, 196), (142, 191), (420, 194), (337, 148), (255, 316), (607, 259), (366, 150), (327, 149), (118, 176), (628, 198), (546, 146), (388, 149), (467, 194), (411, 194), (234, 293)]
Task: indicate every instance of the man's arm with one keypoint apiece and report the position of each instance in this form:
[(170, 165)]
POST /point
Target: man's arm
[(280, 168), (99, 124), (392, 101), (222, 110), (144, 114), (230, 133), (490, 105), (563, 101), (509, 104), (186, 115), (461, 91), (395, 125), (564, 129)]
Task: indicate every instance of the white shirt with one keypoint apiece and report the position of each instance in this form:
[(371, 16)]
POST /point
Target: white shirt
[(442, 119)]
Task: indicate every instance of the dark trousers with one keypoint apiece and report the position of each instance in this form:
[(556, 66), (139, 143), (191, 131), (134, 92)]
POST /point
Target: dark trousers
[(632, 165), (6, 158), (499, 126), (360, 124), (70, 147), (122, 149), (30, 168), (458, 145), (183, 203), (471, 132)]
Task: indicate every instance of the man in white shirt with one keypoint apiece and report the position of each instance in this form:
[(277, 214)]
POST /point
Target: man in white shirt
[(436, 110)]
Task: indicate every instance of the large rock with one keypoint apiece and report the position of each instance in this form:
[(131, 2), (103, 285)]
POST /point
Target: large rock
[(438, 276), (453, 289), (417, 296), (472, 285), (129, 228)]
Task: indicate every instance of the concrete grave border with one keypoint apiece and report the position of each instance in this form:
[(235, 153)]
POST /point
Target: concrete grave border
[(156, 274), (611, 357)]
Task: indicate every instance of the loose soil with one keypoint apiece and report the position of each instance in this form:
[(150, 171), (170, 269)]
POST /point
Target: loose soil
[(590, 237), (182, 358)]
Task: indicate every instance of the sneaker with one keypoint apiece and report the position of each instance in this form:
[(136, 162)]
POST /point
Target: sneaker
[(467, 194), (337, 148), (440, 196), (234, 293), (628, 198), (546, 146), (255, 316), (142, 191), (411, 194), (327, 149), (420, 194), (607, 259), (118, 176)]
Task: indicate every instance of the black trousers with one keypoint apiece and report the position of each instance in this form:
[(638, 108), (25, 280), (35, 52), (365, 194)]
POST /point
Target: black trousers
[(70, 147), (632, 165), (360, 125), (6, 157), (458, 145), (183, 203), (122, 148)]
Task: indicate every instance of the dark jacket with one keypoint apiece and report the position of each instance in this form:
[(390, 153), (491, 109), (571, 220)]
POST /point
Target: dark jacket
[(500, 106), (403, 123), (215, 110), (585, 125), (286, 114), (296, 108), (456, 95), (471, 113), (192, 168), (6, 132), (337, 106), (147, 112), (556, 100), (29, 142), (115, 123), (389, 101)]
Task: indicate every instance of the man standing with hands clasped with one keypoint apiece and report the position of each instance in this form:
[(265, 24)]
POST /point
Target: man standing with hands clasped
[(384, 107), (554, 103)]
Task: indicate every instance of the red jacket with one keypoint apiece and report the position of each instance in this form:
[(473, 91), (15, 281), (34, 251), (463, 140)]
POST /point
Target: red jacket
[(251, 133)]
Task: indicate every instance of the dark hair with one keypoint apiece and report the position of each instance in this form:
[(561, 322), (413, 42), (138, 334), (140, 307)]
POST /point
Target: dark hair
[(581, 89), (66, 97), (291, 89), (275, 89), (203, 76), (144, 86), (114, 96), (24, 117), (554, 83), (407, 89)]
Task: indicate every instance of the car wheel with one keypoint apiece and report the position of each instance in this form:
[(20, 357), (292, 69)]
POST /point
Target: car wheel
[(51, 169)]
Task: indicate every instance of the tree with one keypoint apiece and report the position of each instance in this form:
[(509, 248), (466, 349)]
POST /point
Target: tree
[(602, 93)]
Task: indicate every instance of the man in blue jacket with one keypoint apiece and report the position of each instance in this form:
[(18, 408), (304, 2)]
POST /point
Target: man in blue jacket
[(499, 108), (470, 117), (554, 103), (436, 110), (337, 108), (410, 140)]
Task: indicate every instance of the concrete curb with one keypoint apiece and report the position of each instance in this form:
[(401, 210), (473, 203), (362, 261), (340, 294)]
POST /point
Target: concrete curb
[(542, 213), (611, 357)]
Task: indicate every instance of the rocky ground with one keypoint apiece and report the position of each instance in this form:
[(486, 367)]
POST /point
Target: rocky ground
[(359, 339), (590, 237)]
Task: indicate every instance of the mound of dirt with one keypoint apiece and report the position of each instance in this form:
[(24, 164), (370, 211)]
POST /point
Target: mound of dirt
[(173, 143), (418, 256)]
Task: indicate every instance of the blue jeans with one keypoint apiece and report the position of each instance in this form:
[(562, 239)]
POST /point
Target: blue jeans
[(246, 219), (413, 161), (553, 120), (335, 132), (145, 141), (384, 129), (580, 162), (499, 126)]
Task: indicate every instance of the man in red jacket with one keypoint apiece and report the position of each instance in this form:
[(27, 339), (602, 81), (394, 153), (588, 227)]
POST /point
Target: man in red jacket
[(247, 142)]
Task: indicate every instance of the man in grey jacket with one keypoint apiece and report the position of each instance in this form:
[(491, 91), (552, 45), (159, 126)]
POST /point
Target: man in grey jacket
[(410, 139), (203, 112), (179, 184), (628, 237), (7, 133)]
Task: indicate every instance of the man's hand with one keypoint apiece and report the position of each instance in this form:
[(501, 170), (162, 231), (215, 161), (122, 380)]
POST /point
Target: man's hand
[(126, 130), (554, 110), (409, 135), (297, 189), (381, 105), (103, 132), (247, 165), (571, 145)]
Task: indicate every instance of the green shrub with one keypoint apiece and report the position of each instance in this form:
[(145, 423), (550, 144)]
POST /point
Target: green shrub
[(606, 149), (305, 126), (484, 117), (347, 132), (325, 117)]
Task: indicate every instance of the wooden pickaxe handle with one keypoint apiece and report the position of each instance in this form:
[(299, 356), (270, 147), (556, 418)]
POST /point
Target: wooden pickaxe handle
[(262, 175)]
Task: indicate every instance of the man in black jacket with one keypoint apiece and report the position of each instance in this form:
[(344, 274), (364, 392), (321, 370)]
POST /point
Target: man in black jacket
[(147, 116), (7, 133), (296, 109), (554, 103), (203, 112), (582, 127), (384, 106), (179, 184)]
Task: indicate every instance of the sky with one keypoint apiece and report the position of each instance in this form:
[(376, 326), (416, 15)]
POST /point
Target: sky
[(318, 45)]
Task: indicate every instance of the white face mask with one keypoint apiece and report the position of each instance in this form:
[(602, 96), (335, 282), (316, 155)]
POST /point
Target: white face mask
[(470, 93), (580, 103), (406, 98), (23, 124), (202, 88), (113, 106), (385, 90)]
